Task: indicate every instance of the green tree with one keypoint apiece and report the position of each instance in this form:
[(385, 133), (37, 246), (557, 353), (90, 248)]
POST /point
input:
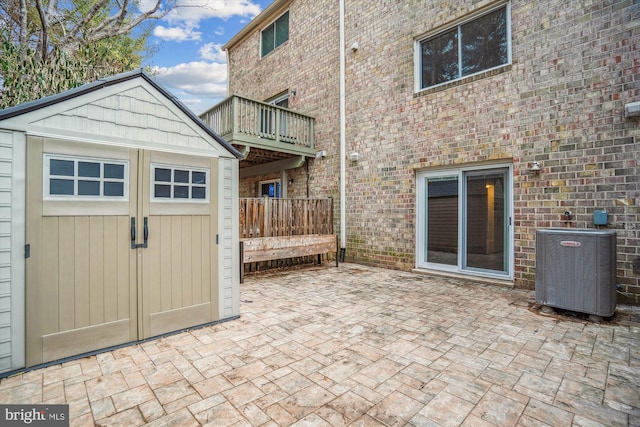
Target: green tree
[(46, 49)]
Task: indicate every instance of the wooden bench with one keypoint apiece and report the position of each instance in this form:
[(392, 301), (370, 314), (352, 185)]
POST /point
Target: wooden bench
[(279, 247)]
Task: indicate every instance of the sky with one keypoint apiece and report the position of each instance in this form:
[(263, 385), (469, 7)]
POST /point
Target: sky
[(188, 59)]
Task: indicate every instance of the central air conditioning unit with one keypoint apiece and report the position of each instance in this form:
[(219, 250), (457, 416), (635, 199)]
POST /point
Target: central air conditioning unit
[(576, 270)]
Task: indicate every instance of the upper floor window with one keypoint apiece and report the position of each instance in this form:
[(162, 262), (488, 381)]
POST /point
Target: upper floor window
[(81, 178), (275, 34), (473, 46)]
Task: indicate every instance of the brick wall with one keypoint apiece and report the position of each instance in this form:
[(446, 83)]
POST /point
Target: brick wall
[(561, 101), (307, 62)]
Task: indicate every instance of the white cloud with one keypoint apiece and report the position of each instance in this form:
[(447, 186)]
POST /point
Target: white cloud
[(192, 103), (184, 20), (213, 52), (179, 34), (201, 79), (192, 12), (203, 83)]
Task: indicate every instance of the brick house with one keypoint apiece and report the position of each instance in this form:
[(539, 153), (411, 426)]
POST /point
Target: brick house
[(448, 132)]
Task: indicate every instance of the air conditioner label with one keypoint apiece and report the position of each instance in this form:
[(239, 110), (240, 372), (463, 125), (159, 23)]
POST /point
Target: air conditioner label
[(570, 243)]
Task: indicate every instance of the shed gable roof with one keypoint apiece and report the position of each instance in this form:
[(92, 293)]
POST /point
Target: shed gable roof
[(128, 109)]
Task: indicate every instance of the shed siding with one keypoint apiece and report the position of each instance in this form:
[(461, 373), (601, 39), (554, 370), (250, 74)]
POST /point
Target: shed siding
[(5, 249), (11, 256), (228, 255), (131, 115)]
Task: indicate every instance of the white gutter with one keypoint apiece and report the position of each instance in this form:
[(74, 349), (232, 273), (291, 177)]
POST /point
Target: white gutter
[(343, 148)]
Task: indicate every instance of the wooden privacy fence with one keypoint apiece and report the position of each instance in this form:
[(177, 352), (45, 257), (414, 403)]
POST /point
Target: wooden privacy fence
[(284, 232), (268, 217)]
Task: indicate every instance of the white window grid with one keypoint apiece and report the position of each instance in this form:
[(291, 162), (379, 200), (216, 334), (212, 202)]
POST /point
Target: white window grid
[(176, 187), (77, 178)]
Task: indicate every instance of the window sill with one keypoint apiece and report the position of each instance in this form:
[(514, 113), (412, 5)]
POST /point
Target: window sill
[(462, 81)]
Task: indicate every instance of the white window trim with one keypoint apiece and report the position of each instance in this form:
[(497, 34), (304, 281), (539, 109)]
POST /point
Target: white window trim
[(421, 215), (269, 181), (152, 182), (417, 52), (272, 22), (279, 99), (46, 177)]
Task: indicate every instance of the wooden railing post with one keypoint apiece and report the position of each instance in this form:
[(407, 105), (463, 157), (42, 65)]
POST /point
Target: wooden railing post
[(267, 218), (277, 113), (234, 106)]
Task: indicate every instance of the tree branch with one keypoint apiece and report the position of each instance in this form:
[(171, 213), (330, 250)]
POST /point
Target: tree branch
[(91, 13), (114, 25), (23, 23), (44, 42)]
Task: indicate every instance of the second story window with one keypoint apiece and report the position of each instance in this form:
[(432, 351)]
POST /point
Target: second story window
[(275, 34), (476, 45)]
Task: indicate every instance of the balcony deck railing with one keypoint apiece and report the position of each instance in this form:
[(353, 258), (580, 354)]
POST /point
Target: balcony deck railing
[(245, 121)]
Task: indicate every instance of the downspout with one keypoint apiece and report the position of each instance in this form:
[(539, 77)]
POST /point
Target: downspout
[(343, 148)]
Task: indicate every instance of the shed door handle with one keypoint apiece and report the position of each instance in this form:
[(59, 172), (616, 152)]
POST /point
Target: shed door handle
[(146, 231), (133, 233)]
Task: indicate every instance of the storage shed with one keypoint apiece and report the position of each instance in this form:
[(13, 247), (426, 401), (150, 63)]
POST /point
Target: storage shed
[(118, 221)]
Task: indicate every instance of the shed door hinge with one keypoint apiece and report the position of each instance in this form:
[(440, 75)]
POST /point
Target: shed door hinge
[(217, 239), (27, 250)]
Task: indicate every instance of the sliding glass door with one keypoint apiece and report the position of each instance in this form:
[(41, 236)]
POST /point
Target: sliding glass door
[(442, 220), (464, 221)]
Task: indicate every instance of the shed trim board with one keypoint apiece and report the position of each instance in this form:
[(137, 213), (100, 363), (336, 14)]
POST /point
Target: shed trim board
[(12, 263), (85, 283)]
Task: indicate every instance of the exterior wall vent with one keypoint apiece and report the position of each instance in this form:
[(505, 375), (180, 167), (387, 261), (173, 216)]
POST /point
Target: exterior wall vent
[(632, 109), (576, 270)]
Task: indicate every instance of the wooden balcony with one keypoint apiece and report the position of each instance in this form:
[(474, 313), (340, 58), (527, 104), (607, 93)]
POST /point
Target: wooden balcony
[(269, 133)]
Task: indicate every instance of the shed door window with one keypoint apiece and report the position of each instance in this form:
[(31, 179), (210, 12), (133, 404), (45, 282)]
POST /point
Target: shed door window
[(177, 183), (81, 178)]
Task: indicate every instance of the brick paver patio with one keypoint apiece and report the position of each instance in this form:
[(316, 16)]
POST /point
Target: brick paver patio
[(360, 346)]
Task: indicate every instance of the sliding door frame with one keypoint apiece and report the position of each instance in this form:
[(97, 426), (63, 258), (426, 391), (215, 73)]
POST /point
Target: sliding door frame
[(422, 237)]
